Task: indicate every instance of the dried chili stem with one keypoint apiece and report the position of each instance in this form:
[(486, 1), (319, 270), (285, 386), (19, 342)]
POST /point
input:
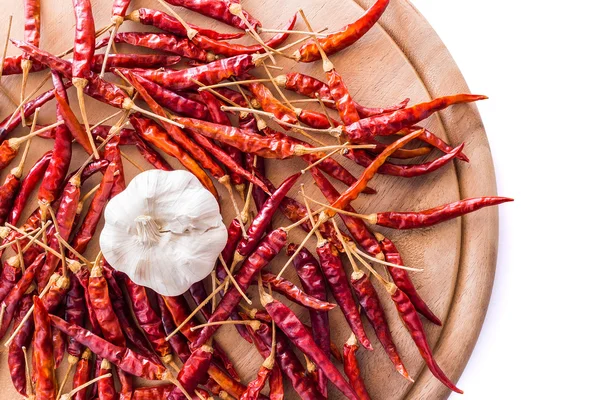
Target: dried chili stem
[(69, 395), (327, 64), (228, 84), (232, 279), (269, 30), (10, 18), (254, 323)]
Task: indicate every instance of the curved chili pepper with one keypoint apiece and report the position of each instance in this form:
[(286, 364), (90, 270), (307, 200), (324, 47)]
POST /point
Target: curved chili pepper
[(106, 387), (294, 293), (167, 23), (151, 155), (209, 74), (154, 134), (194, 371), (16, 358), (405, 171), (163, 42), (313, 282), (352, 369), (341, 95), (358, 229), (369, 300), (269, 103), (11, 274), (415, 328), (262, 219), (266, 250), (388, 124), (179, 310), (287, 321), (173, 101), (347, 36), (100, 300), (83, 49), (289, 363), (177, 341), (43, 358), (217, 9), (124, 358), (71, 122), (83, 372), (316, 119), (253, 389), (227, 384), (334, 272)]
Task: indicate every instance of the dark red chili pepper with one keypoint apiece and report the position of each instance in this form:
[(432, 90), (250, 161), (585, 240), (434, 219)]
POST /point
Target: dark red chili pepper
[(208, 74), (358, 229), (388, 124), (179, 310), (16, 358), (75, 313), (173, 101), (162, 42), (156, 135), (262, 219), (371, 305), (167, 23), (178, 341), (100, 300), (313, 282), (83, 50), (427, 137), (234, 234), (106, 387), (266, 250), (332, 268), (194, 371), (287, 321), (414, 220), (352, 369), (43, 358), (348, 35), (294, 293), (276, 390), (56, 294), (217, 9), (83, 373), (12, 66), (415, 328), (124, 358), (253, 389)]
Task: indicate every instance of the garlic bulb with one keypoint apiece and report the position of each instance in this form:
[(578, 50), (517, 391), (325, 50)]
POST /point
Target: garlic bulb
[(164, 231)]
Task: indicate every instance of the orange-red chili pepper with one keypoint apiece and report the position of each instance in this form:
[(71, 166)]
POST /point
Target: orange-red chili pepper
[(167, 23), (217, 9), (124, 358), (8, 193), (294, 293), (253, 389), (43, 358), (106, 387), (230, 386), (269, 103), (83, 373), (100, 300), (352, 369), (347, 36), (16, 358), (83, 49), (73, 124)]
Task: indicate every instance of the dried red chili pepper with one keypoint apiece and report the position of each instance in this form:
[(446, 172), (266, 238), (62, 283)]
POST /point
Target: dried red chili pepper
[(194, 371), (402, 279), (167, 23), (313, 282), (43, 359), (106, 387), (352, 369), (16, 358), (75, 313), (134, 61), (427, 137), (177, 341), (59, 343), (269, 103), (179, 310), (234, 234), (73, 124), (83, 373), (294, 293), (415, 328), (276, 390), (151, 155), (162, 42), (100, 300), (253, 389), (161, 392), (154, 134), (11, 274), (287, 321), (266, 250), (227, 384), (217, 9), (124, 358), (12, 66)]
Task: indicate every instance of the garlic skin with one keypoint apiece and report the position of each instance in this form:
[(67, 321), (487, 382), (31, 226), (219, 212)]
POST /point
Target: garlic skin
[(164, 231)]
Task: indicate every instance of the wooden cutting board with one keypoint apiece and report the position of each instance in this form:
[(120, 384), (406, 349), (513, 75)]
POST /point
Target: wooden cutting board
[(401, 57)]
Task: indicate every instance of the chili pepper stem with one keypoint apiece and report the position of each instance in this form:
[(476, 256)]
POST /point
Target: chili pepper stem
[(16, 142), (200, 306), (236, 9), (26, 67), (327, 64), (252, 323), (303, 150), (128, 104), (232, 279), (269, 30), (69, 395), (191, 33), (228, 84), (72, 362), (25, 100), (28, 383), (80, 84), (383, 262), (370, 218), (117, 21), (311, 166)]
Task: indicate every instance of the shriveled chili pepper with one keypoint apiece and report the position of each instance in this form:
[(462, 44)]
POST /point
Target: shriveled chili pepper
[(232, 387), (173, 101), (194, 371), (151, 155), (276, 390), (294, 293), (167, 23), (161, 392), (179, 310), (75, 313), (59, 342), (177, 341), (106, 387), (234, 234), (348, 35), (388, 124), (415, 328), (12, 66), (73, 124), (253, 389), (107, 319), (162, 42), (266, 250), (269, 103), (11, 273), (358, 229), (217, 9), (124, 358), (352, 369), (45, 381), (134, 61), (83, 373), (287, 321), (313, 282), (369, 300), (262, 219), (209, 74), (289, 363), (153, 133), (16, 358)]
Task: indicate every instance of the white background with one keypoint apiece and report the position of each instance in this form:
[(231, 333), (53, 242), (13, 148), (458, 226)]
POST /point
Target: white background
[(539, 62)]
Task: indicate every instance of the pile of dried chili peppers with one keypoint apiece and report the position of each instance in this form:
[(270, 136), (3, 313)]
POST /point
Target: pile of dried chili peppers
[(59, 302)]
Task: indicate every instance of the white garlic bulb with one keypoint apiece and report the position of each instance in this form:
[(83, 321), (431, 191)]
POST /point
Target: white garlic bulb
[(164, 231)]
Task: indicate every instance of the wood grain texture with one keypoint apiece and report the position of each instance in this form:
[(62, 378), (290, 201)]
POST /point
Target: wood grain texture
[(401, 57)]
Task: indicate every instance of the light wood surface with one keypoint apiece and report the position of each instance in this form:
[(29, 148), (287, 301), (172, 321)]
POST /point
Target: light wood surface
[(401, 57)]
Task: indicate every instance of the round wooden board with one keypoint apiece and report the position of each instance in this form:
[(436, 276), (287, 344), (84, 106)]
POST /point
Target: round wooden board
[(401, 57)]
